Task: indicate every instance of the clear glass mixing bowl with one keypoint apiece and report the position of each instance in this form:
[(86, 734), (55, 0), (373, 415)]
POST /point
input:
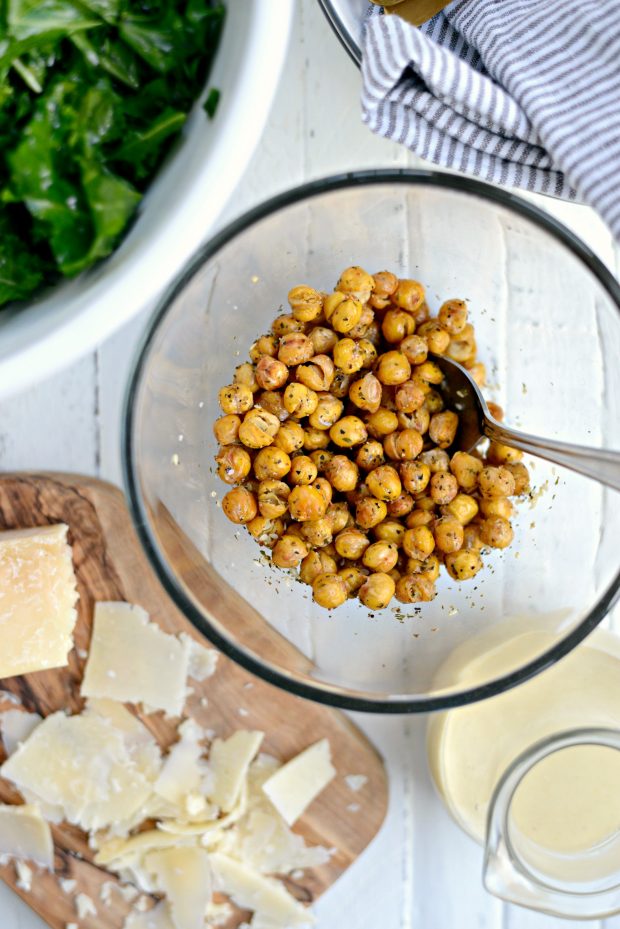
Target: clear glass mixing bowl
[(547, 316)]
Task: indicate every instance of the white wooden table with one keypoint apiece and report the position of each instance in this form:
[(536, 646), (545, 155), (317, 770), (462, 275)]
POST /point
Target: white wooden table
[(421, 872)]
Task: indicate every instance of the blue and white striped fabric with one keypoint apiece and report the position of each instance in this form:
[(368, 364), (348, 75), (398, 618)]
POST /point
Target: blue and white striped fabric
[(524, 93)]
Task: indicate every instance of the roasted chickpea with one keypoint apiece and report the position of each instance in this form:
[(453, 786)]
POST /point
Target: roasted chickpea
[(369, 512), (351, 544), (273, 498), (428, 372), (443, 487), (353, 576), (478, 372), (436, 459), (428, 568), (339, 515), (403, 446), (342, 311), (265, 345), (348, 431), (356, 281), (377, 591), (323, 340), (418, 542), (271, 462), (370, 455), (306, 502), (295, 529), (425, 502), (409, 397), (342, 473), (420, 517), (415, 476), (452, 316), (462, 348), (271, 401), (226, 429), (366, 393), (415, 588), (299, 400), (436, 338), (521, 476), (324, 488), (317, 532), (245, 374), (466, 469), (348, 356), (329, 590), (393, 368), (317, 374), (236, 398), (328, 411), (496, 506), (284, 325), (321, 457), (315, 439), (271, 373), (434, 402), (397, 325), (471, 537), (409, 295), (303, 470), (384, 483), (362, 326), (402, 506), (418, 420), (368, 351), (464, 508), (295, 348), (496, 482), (390, 530), (289, 437), (464, 564), (496, 532), (265, 531), (382, 422), (316, 563), (385, 285), (503, 454), (258, 428), (340, 384), (442, 428), (239, 505), (380, 556), (289, 551), (415, 349), (448, 533), (495, 410), (306, 303), (233, 464)]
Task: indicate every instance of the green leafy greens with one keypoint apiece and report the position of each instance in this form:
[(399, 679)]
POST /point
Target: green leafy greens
[(92, 95)]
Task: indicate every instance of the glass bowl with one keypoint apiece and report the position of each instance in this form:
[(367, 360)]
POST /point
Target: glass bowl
[(547, 319)]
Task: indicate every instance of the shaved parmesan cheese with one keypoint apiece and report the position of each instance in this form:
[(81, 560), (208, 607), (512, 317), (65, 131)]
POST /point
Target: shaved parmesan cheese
[(229, 760), (24, 876), (184, 876), (157, 918), (183, 768), (117, 852), (95, 773), (133, 660), (16, 726), (25, 834), (217, 914), (263, 841), (251, 891), (85, 906), (37, 600), (295, 785), (202, 661)]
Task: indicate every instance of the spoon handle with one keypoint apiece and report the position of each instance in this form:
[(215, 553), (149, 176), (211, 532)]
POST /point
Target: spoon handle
[(601, 464)]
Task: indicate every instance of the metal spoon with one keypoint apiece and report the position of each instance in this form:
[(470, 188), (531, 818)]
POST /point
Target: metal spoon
[(463, 395)]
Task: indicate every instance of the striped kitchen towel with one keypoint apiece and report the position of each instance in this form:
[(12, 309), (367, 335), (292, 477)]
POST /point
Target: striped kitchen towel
[(524, 93)]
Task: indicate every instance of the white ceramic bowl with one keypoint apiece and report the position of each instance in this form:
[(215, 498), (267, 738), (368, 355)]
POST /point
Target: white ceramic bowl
[(175, 217)]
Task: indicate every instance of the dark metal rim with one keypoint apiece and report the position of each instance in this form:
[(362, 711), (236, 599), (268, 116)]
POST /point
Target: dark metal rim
[(343, 35)]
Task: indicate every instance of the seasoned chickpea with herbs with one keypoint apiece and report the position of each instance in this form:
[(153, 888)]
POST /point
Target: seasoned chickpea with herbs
[(343, 383)]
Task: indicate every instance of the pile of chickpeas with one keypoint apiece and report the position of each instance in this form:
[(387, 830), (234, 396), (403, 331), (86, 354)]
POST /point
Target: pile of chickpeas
[(337, 441)]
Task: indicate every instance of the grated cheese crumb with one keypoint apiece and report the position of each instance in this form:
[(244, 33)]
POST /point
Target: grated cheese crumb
[(85, 906), (67, 884), (355, 782), (24, 876)]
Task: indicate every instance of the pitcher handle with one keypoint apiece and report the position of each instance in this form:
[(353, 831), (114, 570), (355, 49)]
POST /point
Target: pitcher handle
[(506, 873)]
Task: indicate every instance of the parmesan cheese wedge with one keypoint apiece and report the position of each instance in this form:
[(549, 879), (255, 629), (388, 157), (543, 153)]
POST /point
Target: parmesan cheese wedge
[(251, 891), (133, 660), (37, 600), (184, 876), (15, 727), (25, 834), (229, 761), (295, 785)]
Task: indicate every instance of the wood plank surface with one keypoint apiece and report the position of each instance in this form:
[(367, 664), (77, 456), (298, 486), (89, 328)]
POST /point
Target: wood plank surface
[(110, 565)]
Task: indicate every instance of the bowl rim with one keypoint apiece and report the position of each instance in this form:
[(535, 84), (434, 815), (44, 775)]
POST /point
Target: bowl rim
[(342, 34), (322, 692)]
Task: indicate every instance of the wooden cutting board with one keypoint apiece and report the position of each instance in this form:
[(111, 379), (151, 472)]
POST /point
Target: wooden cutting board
[(110, 565)]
